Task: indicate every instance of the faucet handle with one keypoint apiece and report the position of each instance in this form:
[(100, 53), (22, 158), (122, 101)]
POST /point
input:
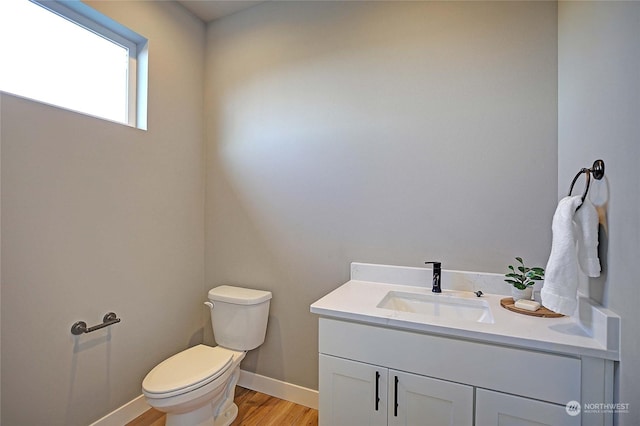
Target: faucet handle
[(436, 265)]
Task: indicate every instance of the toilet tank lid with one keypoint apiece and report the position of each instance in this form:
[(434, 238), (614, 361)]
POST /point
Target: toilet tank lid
[(238, 295)]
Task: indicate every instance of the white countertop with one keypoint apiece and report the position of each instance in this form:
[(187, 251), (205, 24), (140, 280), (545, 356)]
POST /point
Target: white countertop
[(597, 335)]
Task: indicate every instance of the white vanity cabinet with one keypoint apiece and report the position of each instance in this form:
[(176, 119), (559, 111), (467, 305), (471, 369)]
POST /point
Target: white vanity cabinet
[(357, 393), (453, 367), (446, 381)]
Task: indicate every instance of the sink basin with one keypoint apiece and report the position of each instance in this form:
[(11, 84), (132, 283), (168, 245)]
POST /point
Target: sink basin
[(440, 305)]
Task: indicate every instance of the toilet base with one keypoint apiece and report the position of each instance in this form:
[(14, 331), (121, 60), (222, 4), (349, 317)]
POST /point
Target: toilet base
[(227, 417), (203, 417)]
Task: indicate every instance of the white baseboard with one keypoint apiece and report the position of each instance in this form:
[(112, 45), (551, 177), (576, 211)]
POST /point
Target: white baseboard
[(124, 414), (283, 390), (256, 382)]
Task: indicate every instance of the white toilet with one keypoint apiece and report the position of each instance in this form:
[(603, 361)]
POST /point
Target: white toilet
[(196, 386)]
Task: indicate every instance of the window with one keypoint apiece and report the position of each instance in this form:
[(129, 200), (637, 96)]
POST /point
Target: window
[(67, 54)]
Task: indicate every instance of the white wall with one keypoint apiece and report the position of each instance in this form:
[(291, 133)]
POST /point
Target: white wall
[(599, 100), (100, 217), (390, 132)]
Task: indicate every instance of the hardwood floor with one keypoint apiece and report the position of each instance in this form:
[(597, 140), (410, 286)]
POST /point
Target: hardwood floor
[(254, 409)]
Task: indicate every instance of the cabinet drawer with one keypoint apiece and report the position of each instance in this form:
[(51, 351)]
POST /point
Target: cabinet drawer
[(494, 408), (543, 376)]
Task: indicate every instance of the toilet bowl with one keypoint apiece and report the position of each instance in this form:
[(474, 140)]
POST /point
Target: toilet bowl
[(196, 386)]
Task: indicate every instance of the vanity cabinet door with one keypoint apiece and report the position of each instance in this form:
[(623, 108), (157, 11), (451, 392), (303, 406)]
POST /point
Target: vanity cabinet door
[(417, 400), (351, 393), (495, 408)]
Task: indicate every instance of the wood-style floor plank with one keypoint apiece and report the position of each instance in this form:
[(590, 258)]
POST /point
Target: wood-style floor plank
[(254, 409), (148, 418), (309, 418)]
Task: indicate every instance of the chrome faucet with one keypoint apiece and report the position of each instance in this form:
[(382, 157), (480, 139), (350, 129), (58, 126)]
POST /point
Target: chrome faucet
[(437, 270)]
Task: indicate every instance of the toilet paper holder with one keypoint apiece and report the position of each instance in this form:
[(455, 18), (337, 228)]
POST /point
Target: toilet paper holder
[(80, 327)]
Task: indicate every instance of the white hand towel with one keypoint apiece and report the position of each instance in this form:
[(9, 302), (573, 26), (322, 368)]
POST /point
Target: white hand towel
[(559, 292), (586, 219)]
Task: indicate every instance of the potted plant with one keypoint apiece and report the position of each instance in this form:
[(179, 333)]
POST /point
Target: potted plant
[(522, 279)]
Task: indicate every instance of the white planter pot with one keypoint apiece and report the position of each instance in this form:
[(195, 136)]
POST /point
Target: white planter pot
[(521, 294)]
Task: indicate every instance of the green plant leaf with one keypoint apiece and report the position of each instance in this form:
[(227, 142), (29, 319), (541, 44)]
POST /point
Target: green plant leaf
[(538, 271), (521, 269), (515, 283), (537, 278), (511, 267), (519, 259)]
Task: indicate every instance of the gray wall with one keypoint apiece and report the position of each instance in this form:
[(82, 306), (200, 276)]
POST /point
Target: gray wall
[(335, 132), (599, 100), (389, 132), (0, 258), (97, 216)]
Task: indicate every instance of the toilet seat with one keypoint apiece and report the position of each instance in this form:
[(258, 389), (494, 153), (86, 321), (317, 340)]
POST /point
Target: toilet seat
[(186, 371)]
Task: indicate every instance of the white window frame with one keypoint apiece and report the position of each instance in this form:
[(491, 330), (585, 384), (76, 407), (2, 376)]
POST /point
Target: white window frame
[(92, 20)]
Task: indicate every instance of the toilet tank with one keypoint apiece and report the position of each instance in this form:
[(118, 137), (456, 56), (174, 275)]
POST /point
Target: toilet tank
[(239, 316)]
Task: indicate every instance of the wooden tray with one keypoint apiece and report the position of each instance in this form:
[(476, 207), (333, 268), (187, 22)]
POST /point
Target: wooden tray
[(543, 312)]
